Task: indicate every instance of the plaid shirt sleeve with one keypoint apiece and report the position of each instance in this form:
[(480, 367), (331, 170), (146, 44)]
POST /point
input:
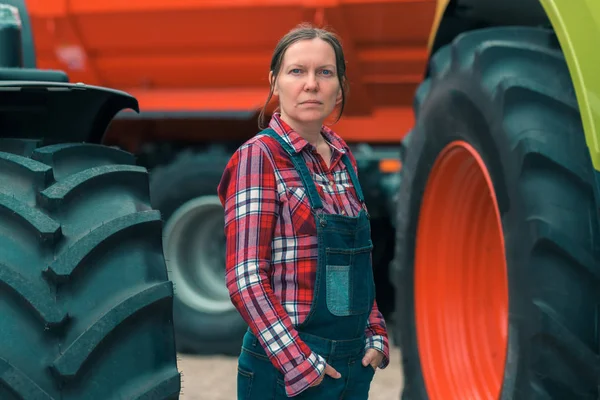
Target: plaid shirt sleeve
[(248, 192), (376, 331)]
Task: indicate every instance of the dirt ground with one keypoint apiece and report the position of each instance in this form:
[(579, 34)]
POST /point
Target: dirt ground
[(214, 378)]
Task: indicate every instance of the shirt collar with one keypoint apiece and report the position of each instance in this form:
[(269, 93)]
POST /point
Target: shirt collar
[(297, 142)]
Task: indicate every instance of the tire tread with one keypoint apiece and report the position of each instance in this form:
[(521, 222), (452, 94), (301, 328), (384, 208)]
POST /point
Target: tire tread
[(47, 288), (72, 358), (68, 261), (56, 195), (19, 383)]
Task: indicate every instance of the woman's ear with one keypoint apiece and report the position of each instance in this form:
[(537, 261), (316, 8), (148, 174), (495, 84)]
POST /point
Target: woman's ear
[(272, 83)]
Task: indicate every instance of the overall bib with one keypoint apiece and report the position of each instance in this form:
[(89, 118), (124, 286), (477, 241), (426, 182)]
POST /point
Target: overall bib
[(343, 298)]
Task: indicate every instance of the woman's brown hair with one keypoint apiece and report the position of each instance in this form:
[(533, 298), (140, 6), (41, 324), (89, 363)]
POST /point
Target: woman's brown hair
[(306, 31)]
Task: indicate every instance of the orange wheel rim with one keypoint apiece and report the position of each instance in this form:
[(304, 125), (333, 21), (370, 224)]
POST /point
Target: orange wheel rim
[(461, 287)]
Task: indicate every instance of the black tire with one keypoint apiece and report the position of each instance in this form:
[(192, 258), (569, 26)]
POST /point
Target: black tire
[(383, 253), (508, 93), (85, 302), (199, 330)]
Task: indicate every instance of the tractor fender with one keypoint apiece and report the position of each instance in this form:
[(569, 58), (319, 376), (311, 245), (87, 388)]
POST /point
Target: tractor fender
[(65, 112), (576, 29)]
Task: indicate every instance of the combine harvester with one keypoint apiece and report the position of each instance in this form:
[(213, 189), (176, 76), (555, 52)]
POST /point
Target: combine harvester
[(199, 70), (487, 240)]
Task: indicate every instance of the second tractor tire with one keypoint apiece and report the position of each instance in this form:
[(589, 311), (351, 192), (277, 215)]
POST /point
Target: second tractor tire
[(185, 191), (505, 94)]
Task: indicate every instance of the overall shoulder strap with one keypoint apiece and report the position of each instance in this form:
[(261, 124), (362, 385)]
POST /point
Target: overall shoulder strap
[(353, 177), (298, 161), (270, 132)]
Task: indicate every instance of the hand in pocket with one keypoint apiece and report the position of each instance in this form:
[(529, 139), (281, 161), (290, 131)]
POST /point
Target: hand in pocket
[(372, 357), (329, 370)]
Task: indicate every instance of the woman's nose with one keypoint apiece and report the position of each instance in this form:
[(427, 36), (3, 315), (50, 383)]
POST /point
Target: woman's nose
[(311, 82)]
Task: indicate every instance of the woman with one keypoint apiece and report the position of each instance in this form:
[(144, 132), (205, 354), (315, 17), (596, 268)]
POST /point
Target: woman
[(299, 241)]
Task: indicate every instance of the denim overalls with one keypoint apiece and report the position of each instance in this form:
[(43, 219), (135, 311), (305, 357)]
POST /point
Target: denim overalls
[(343, 299)]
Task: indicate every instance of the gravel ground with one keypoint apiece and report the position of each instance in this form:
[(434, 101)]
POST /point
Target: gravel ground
[(214, 378)]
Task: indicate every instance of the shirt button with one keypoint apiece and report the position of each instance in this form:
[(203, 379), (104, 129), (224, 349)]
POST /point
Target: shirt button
[(331, 183)]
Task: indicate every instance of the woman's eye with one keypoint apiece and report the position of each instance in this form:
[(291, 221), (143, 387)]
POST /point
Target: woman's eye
[(295, 71)]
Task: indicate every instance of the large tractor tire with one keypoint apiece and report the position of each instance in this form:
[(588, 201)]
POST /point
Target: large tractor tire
[(185, 191), (85, 301), (498, 262)]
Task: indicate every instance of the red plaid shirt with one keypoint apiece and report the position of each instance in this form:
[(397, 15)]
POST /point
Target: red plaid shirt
[(271, 249)]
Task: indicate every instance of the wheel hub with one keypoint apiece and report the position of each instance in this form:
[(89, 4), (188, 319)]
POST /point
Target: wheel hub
[(194, 246)]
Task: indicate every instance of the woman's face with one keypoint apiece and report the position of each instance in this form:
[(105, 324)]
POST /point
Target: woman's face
[(307, 84)]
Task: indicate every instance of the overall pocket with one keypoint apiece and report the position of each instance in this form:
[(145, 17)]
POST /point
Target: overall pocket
[(349, 281), (256, 375), (244, 383)]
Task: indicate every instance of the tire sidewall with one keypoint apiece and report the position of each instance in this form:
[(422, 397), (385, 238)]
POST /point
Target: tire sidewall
[(203, 333)]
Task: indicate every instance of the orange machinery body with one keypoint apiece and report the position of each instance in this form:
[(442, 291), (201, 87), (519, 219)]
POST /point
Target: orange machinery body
[(211, 57)]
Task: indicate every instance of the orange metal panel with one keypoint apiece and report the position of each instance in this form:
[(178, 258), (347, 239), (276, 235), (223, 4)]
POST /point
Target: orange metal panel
[(200, 54), (133, 6), (388, 124), (46, 8), (196, 70), (200, 100)]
